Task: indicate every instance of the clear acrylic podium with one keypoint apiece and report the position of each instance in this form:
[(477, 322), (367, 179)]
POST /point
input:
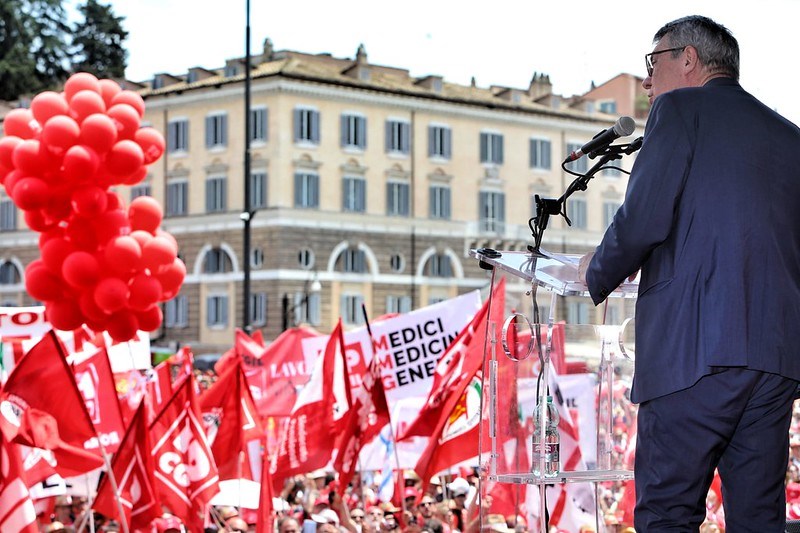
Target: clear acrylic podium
[(515, 384)]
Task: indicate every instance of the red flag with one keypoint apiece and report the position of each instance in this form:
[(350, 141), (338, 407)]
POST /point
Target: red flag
[(264, 523), (306, 444), (274, 373), (363, 421), (134, 473), (456, 369), (43, 380), (186, 475), (96, 383), (16, 508), (229, 407), (159, 386)]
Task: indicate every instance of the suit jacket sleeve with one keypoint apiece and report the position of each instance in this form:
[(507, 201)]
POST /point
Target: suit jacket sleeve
[(651, 201)]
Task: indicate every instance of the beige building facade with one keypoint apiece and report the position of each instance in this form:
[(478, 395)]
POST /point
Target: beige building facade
[(368, 186)]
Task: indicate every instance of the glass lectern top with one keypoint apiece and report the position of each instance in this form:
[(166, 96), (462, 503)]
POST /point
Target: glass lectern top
[(556, 272)]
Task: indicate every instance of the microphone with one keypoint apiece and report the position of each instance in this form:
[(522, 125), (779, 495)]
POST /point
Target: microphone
[(623, 127)]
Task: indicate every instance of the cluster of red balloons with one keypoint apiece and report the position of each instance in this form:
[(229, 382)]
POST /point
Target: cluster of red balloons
[(101, 264)]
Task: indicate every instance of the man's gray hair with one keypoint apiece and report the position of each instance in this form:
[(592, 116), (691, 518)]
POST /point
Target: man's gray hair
[(716, 46)]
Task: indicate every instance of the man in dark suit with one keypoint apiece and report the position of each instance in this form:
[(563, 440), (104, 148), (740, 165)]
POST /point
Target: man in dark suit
[(712, 218)]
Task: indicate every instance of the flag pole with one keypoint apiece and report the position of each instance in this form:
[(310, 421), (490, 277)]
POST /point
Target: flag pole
[(110, 472), (388, 411)]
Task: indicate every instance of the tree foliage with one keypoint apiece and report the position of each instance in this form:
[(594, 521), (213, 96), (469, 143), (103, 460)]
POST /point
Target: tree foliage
[(39, 49), (98, 42)]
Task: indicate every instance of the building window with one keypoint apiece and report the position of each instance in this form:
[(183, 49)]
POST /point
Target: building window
[(217, 261), (217, 311), (176, 312), (354, 194), (257, 258), (306, 125), (258, 190), (579, 165), (577, 312), (306, 190), (216, 194), (230, 70), (492, 211), (439, 266), (397, 263), (258, 124), (397, 198), (258, 309), (398, 137), (9, 274), (439, 142), (492, 148), (609, 210), (351, 309), (398, 304), (177, 198), (612, 170), (440, 202), (576, 211), (307, 308), (178, 135), (354, 131), (609, 106), (217, 130), (540, 154), (353, 260), (8, 214), (142, 189), (305, 258)]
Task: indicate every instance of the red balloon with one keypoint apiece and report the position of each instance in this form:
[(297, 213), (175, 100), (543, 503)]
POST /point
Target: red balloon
[(158, 252), (145, 214), (81, 270), (53, 233), (26, 157), (167, 235), (142, 237), (42, 284), (60, 133), (125, 118), (7, 145), (114, 201), (89, 201), (152, 143), (86, 103), (111, 224), (150, 319), (131, 98), (125, 158), (37, 221), (123, 254), (58, 207), (31, 193), (111, 294), (54, 252), (171, 277), (90, 309), (99, 132), (109, 89), (48, 104), (136, 177), (145, 291), (20, 123), (64, 314), (81, 233), (80, 164), (123, 325), (10, 181), (79, 82)]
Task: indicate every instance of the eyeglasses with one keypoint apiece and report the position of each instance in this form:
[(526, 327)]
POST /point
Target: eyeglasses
[(648, 58)]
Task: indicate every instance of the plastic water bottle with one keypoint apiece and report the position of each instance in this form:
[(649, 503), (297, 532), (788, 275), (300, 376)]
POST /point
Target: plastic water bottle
[(550, 450)]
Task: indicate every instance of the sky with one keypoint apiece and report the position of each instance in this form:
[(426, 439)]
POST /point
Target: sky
[(499, 42)]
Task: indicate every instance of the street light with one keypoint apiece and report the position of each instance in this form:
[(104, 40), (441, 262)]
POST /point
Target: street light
[(310, 287)]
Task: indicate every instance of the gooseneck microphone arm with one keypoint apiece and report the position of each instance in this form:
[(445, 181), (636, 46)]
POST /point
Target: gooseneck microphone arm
[(547, 207)]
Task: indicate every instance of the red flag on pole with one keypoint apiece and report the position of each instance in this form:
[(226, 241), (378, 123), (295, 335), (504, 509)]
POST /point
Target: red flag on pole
[(265, 520), (134, 473), (43, 381), (229, 407), (16, 508), (186, 475), (96, 383), (306, 444)]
